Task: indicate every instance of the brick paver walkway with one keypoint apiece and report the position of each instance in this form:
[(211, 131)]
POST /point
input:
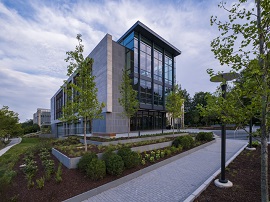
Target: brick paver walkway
[(173, 182)]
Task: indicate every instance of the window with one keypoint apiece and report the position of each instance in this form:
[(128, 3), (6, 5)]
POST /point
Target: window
[(146, 92), (145, 59), (157, 65), (168, 70), (158, 96)]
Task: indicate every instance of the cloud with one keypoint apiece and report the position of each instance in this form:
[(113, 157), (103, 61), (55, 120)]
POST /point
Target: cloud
[(35, 36)]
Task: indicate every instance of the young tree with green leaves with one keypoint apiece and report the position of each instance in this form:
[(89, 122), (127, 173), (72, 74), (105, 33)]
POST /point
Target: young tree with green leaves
[(245, 36), (128, 99), (9, 123), (81, 93), (174, 103)]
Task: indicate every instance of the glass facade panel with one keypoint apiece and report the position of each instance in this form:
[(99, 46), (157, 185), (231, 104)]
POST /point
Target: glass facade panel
[(146, 92), (145, 59), (168, 70), (158, 95), (157, 65)]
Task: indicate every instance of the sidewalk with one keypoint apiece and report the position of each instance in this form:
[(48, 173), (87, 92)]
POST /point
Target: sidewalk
[(13, 142), (176, 181)]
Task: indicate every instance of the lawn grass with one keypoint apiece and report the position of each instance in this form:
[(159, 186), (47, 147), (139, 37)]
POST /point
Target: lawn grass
[(9, 159)]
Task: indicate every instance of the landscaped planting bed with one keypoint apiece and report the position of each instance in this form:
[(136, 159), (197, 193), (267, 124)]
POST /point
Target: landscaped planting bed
[(70, 155), (124, 140), (46, 172)]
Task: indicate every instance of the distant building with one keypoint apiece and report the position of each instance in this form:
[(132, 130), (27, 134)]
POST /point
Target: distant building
[(151, 61), (42, 117)]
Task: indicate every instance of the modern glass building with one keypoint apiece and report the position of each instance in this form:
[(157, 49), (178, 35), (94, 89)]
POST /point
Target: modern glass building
[(151, 61)]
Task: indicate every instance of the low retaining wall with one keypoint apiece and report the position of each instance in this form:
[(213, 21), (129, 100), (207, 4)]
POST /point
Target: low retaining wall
[(71, 163), (131, 140)]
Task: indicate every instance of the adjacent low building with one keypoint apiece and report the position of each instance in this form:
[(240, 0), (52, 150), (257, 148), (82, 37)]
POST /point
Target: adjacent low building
[(42, 117), (151, 60)]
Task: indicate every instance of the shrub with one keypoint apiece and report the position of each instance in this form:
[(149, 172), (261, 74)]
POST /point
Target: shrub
[(96, 169), (131, 159), (173, 149), (204, 136), (152, 159), (255, 144), (185, 141), (114, 163), (143, 162), (168, 152), (40, 183), (124, 151), (58, 174), (85, 160)]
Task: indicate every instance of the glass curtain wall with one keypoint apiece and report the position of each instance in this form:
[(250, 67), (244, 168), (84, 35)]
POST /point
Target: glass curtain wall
[(146, 60)]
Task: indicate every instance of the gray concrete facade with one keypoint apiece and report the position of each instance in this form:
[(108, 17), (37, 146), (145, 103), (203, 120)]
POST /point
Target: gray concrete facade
[(109, 61)]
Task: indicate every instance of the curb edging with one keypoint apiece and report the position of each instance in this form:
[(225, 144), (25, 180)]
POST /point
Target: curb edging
[(207, 182)]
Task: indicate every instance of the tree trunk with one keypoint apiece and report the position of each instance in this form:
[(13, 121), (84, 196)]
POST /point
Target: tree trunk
[(264, 149), (173, 126), (128, 127), (84, 132)]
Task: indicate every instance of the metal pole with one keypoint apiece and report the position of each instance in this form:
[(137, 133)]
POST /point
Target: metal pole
[(223, 141)]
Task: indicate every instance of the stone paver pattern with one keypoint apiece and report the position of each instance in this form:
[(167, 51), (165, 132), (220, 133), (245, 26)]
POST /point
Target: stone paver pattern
[(173, 182)]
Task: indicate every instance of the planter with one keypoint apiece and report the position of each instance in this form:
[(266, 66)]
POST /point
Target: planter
[(71, 163), (131, 140)]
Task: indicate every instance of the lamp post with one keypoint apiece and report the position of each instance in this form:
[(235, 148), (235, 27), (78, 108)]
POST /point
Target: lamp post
[(223, 78)]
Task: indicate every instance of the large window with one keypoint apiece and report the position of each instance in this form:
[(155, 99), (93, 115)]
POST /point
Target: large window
[(145, 59), (158, 97), (146, 92), (168, 69), (157, 65), (59, 105)]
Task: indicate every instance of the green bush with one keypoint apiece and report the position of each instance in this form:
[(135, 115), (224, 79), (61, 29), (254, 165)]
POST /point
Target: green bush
[(131, 159), (58, 174), (204, 136), (96, 169), (85, 160), (114, 163), (255, 144), (185, 141)]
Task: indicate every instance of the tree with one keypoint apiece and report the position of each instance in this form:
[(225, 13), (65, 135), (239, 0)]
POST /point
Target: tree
[(187, 106), (174, 103), (29, 127), (244, 36), (128, 99), (81, 94), (9, 123)]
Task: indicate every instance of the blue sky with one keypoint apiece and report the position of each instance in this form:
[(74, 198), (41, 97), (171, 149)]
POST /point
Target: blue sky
[(35, 35)]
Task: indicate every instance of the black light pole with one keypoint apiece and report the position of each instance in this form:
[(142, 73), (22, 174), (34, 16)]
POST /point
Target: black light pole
[(223, 140), (224, 77)]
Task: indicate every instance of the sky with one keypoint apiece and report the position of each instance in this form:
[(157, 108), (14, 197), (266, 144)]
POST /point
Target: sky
[(36, 34)]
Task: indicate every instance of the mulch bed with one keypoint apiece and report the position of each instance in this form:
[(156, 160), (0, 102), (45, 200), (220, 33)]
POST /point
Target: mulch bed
[(74, 183), (244, 172)]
